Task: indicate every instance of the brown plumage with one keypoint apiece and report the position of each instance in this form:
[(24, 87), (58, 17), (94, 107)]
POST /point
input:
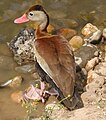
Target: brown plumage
[(55, 60)]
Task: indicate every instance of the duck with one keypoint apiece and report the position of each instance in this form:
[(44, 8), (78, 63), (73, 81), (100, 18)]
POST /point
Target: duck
[(55, 61)]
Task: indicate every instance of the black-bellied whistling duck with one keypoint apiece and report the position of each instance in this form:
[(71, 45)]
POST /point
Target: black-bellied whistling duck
[(55, 60)]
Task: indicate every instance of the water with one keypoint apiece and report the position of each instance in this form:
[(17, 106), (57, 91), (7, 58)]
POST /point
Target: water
[(60, 12)]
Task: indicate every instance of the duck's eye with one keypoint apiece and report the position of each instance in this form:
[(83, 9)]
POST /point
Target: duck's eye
[(31, 14)]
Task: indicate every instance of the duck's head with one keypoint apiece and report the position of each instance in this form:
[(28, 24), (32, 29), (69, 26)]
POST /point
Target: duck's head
[(36, 14)]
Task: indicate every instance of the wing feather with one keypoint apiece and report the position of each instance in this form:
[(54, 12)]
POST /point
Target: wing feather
[(55, 57)]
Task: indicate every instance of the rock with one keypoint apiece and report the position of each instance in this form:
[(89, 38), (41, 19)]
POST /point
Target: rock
[(67, 33), (22, 46), (103, 91), (76, 42), (97, 53), (96, 84), (101, 69), (95, 37), (29, 68), (104, 33), (91, 76), (92, 63), (17, 96), (88, 97), (16, 82), (13, 83), (88, 29), (88, 112), (83, 54)]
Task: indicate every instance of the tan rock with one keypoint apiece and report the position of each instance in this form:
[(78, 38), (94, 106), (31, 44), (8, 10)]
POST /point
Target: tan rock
[(88, 29), (76, 42), (17, 96), (91, 76), (91, 63), (88, 97), (96, 84)]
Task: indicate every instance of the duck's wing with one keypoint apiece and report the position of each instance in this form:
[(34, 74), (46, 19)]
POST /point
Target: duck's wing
[(55, 57)]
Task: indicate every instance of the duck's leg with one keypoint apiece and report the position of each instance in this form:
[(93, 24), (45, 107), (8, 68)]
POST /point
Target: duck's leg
[(52, 92)]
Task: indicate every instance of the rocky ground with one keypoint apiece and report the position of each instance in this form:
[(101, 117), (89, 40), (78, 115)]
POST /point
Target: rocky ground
[(89, 50)]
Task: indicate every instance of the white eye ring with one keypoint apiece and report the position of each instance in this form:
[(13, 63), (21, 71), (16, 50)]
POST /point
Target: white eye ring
[(31, 14)]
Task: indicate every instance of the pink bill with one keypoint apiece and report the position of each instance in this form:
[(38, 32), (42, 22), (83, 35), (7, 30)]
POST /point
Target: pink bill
[(22, 19)]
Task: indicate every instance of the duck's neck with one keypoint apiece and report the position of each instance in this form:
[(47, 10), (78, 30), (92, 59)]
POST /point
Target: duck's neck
[(40, 33), (44, 24)]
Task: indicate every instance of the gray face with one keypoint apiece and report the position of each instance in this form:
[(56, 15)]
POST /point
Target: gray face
[(37, 16)]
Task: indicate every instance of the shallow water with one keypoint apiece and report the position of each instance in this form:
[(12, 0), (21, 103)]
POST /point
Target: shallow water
[(60, 12)]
